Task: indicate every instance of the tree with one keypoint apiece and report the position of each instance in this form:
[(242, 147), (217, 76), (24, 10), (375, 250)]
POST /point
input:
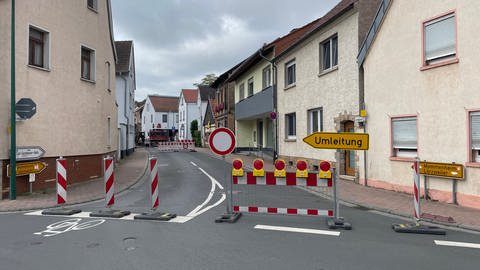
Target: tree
[(196, 134), (207, 80)]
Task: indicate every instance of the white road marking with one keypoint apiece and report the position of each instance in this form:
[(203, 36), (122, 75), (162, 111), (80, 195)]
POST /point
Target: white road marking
[(293, 229), (178, 219), (456, 244), (211, 206), (67, 225)]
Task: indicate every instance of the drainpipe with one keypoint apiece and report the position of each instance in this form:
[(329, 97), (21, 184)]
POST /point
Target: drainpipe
[(125, 114), (274, 85), (13, 135)]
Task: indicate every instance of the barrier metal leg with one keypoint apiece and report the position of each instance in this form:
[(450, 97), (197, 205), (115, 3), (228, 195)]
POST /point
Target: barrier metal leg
[(229, 216), (337, 222)]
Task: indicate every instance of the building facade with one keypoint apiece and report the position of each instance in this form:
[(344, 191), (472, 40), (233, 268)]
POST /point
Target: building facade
[(421, 96), (125, 82), (161, 112), (188, 110), (205, 94), (68, 69)]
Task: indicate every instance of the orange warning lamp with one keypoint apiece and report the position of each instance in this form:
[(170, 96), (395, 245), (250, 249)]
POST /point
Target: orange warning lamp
[(280, 168), (302, 169), (237, 165), (325, 172), (258, 168)]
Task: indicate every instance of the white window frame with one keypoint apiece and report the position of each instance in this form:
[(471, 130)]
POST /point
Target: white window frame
[(330, 54), (46, 47), (164, 118), (444, 56), (319, 121), (251, 89), (92, 63), (403, 146), (289, 65), (288, 134), (474, 136), (266, 77), (241, 91)]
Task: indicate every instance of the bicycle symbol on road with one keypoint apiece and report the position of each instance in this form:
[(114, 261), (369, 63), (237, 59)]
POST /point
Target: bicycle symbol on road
[(68, 225)]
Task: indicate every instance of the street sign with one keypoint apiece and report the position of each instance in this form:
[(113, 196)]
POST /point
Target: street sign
[(29, 153), (342, 140), (222, 141), (25, 108), (27, 168), (444, 170)]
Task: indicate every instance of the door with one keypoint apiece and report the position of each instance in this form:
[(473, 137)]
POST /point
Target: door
[(260, 134), (349, 155)]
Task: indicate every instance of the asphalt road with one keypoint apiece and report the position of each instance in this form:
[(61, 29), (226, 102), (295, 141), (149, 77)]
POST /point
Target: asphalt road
[(195, 241)]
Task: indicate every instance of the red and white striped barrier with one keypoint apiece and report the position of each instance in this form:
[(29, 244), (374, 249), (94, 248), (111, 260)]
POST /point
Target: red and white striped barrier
[(154, 182), (109, 179), (286, 211), (181, 145), (416, 189), (289, 180), (61, 181)]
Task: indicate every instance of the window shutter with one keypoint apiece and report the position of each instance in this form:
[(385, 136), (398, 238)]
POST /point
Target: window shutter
[(404, 133), (475, 128), (440, 38)]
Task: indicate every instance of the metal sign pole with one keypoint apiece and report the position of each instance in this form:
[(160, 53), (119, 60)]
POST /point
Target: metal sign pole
[(229, 189), (335, 198)]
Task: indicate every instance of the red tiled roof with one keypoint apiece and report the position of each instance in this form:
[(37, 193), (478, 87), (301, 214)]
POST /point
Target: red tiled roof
[(190, 95), (164, 103)]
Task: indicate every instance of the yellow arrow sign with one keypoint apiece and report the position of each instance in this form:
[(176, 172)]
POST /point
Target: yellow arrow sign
[(343, 140), (447, 170), (27, 168)]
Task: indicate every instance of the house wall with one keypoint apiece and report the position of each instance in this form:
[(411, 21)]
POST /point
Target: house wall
[(440, 97), (147, 114), (72, 114), (336, 91)]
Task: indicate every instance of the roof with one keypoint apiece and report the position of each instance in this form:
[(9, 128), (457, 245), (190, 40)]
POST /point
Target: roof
[(164, 103), (209, 117), (316, 25), (222, 78), (190, 95), (206, 92), (373, 30), (124, 50)]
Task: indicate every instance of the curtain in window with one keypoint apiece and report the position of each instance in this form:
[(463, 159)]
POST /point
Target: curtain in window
[(404, 132), (475, 128), (334, 51), (326, 55), (440, 38)]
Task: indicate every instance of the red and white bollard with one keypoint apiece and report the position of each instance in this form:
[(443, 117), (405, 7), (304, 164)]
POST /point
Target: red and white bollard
[(154, 182), (416, 189), (61, 181), (109, 179)]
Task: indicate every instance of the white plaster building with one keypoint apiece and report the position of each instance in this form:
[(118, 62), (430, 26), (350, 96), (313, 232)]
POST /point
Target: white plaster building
[(188, 110), (161, 112)]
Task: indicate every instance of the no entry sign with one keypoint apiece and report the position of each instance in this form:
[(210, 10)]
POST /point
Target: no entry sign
[(222, 141)]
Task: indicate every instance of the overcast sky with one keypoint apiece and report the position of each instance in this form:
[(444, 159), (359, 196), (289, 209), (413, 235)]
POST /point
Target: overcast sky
[(178, 42)]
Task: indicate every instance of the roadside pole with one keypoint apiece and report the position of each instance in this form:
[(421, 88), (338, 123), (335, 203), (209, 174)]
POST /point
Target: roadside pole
[(13, 143)]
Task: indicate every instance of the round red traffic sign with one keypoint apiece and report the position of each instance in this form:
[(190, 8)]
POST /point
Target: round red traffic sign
[(222, 141)]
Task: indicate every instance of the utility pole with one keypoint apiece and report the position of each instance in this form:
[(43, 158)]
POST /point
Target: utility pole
[(13, 143)]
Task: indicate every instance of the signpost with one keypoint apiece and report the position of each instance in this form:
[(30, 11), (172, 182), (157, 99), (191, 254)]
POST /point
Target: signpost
[(29, 153), (27, 168), (222, 142), (25, 108), (444, 170), (341, 140)]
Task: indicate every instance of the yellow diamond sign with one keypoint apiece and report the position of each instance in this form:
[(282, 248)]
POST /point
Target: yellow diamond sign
[(342, 140)]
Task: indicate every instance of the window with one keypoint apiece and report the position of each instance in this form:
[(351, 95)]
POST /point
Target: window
[(475, 136), (439, 39), (151, 118), (315, 120), (404, 137), (164, 118), (88, 64), (329, 53), (38, 46), (242, 91), (176, 118), (250, 87), (290, 126), (290, 73), (266, 74), (92, 4), (109, 132)]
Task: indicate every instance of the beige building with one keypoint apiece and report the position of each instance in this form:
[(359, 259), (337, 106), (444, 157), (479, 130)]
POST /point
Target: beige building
[(318, 85), (65, 62), (422, 95)]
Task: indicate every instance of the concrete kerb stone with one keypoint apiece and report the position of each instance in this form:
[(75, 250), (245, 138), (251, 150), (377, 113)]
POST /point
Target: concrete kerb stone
[(90, 200)]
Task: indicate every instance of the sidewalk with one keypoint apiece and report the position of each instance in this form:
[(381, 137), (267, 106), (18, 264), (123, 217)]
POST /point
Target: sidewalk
[(127, 172), (387, 201)]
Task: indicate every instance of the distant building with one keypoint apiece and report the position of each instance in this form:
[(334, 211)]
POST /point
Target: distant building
[(188, 110), (205, 93), (161, 112), (68, 69), (125, 92), (139, 136)]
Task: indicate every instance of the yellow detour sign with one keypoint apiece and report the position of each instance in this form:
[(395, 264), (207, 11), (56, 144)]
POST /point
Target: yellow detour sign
[(447, 170), (27, 168), (333, 140)]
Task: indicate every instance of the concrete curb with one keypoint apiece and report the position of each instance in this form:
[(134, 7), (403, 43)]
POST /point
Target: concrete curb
[(90, 200)]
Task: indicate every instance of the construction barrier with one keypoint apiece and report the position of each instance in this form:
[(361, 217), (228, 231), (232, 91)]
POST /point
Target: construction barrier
[(177, 146)]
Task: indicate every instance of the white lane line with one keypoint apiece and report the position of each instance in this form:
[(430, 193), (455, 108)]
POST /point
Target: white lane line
[(193, 163), (293, 229), (456, 244), (211, 178), (211, 206)]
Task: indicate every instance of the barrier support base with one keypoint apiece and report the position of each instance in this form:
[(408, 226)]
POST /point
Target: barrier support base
[(61, 211), (110, 213), (230, 218), (417, 228), (160, 216), (338, 223)]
